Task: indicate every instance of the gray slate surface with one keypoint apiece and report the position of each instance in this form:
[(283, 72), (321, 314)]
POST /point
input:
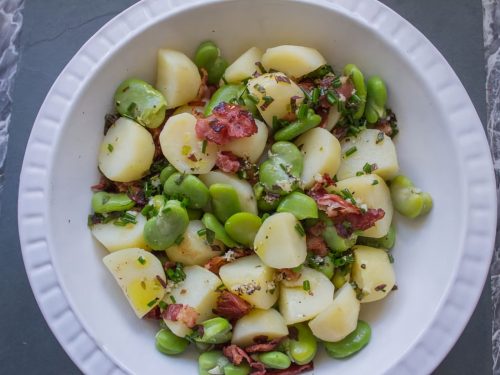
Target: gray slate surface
[(26, 344)]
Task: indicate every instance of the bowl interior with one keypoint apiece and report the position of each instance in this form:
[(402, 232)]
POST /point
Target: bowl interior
[(426, 253)]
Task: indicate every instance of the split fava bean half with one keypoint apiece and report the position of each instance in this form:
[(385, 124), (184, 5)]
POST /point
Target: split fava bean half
[(300, 205), (141, 102), (408, 200), (376, 99), (210, 222), (166, 172), (275, 360), (302, 349), (103, 202), (225, 201), (243, 227), (358, 79), (207, 56), (170, 344), (215, 331), (189, 187), (163, 230), (352, 343)]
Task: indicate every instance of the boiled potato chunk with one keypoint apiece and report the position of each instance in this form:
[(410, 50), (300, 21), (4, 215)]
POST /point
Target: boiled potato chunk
[(298, 304), (252, 280), (126, 152), (242, 187), (279, 242), (183, 149), (340, 318), (249, 147), (177, 78), (372, 147), (256, 323), (137, 271), (244, 66), (116, 237), (199, 291), (193, 249), (371, 190), (321, 151), (333, 118), (373, 272), (277, 88), (294, 61)]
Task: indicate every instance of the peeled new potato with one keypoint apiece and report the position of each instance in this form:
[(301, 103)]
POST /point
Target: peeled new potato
[(373, 272), (372, 147), (257, 323), (340, 318), (194, 249), (137, 271), (116, 237), (244, 66), (278, 242), (242, 187), (252, 280), (294, 61), (371, 190), (126, 152), (183, 149), (199, 291), (278, 88), (321, 151), (177, 78), (297, 304), (249, 147)]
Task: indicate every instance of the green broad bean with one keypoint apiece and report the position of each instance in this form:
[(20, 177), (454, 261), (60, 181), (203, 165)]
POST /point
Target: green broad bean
[(141, 102), (299, 126), (194, 214), (103, 202), (352, 343), (251, 106), (300, 205), (188, 187), (303, 349), (206, 54), (275, 360), (280, 173), (326, 266), (336, 242), (386, 242), (408, 200), (203, 347), (210, 360), (339, 279), (154, 206), (225, 201), (376, 99), (242, 369), (216, 70), (166, 172), (225, 94), (170, 344), (243, 227), (161, 231), (216, 331), (358, 79), (210, 222)]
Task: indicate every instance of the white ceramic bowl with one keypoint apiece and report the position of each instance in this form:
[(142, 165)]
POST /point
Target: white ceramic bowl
[(441, 261)]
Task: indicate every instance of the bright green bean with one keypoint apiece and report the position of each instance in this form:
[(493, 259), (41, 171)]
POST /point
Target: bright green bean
[(352, 343), (211, 360), (103, 202), (154, 206), (325, 266), (216, 70), (242, 369), (225, 201), (206, 53), (376, 99), (336, 242), (339, 279), (170, 344), (409, 200), (275, 360), (358, 79), (210, 222), (303, 349), (299, 126), (243, 227), (216, 331), (161, 231), (166, 172), (386, 242), (300, 205), (187, 187), (225, 94), (141, 102)]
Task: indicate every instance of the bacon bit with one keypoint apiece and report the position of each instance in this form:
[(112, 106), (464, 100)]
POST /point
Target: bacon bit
[(168, 264), (384, 127), (289, 274), (361, 221), (264, 346), (258, 368), (104, 185), (307, 85), (317, 229), (154, 314), (205, 91), (182, 313), (231, 306), (134, 190), (293, 333), (227, 162), (227, 122), (261, 339), (236, 355), (161, 281), (335, 205), (293, 369), (290, 116), (316, 245), (215, 263), (346, 90), (340, 132), (280, 78), (196, 103), (192, 157), (109, 120)]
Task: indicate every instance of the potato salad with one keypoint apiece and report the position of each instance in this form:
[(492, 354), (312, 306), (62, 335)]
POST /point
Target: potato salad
[(248, 208)]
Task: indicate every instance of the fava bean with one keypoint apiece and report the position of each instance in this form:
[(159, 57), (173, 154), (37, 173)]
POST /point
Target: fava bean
[(299, 126), (243, 227), (216, 70), (409, 200), (386, 242), (334, 241), (216, 331), (376, 99), (210, 360), (188, 187), (302, 349), (225, 201), (225, 94), (206, 53), (141, 102), (275, 360), (103, 202), (161, 231), (300, 205), (358, 79), (210, 222), (242, 369), (170, 344), (326, 266), (352, 343), (339, 278), (166, 172)]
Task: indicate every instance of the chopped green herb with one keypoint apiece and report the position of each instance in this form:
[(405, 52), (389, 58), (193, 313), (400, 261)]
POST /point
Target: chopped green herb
[(204, 146), (306, 285), (347, 195), (332, 99), (343, 260), (300, 230), (391, 258), (315, 95), (110, 147), (185, 202), (141, 260), (172, 298), (375, 182), (380, 137), (359, 173), (267, 101), (210, 236), (367, 168), (253, 98), (163, 305), (202, 232), (302, 111), (179, 240), (176, 274), (297, 269), (261, 67), (351, 151), (259, 88), (126, 218), (152, 302)]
